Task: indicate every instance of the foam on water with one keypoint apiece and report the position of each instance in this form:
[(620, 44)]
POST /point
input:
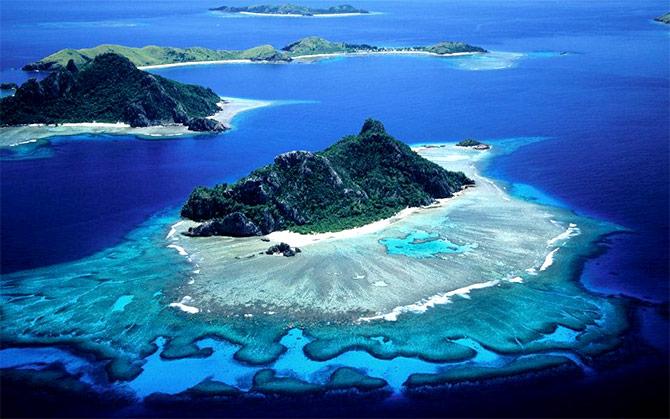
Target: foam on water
[(548, 260), (432, 301)]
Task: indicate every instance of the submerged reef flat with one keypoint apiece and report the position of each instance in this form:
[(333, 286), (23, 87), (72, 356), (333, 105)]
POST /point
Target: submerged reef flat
[(481, 238), (482, 286)]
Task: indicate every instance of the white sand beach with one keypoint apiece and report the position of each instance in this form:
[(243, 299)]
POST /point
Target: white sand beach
[(300, 240), (308, 57), (230, 107), (190, 63), (389, 52)]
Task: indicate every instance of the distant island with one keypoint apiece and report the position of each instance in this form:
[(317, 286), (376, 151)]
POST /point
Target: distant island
[(110, 89), (8, 86), (472, 143), (291, 10), (310, 47), (360, 179), (664, 18)]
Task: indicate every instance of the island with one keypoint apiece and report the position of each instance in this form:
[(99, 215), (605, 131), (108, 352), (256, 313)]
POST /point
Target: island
[(472, 143), (664, 18), (8, 86), (307, 48), (360, 179), (291, 10), (110, 89)]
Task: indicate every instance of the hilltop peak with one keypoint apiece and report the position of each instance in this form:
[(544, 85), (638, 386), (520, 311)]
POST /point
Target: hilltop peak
[(371, 126)]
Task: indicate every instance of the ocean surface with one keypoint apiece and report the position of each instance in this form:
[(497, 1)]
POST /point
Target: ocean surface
[(593, 77)]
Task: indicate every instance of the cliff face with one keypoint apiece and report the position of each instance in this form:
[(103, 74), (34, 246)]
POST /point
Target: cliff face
[(108, 89), (358, 180)]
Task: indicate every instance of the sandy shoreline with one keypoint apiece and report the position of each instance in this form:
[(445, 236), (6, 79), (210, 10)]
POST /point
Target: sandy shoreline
[(25, 134), (190, 63), (300, 240), (304, 58), (365, 53)]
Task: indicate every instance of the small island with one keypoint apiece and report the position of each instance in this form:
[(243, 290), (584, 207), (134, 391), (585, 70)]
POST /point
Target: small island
[(359, 180), (472, 143), (307, 48), (110, 89), (8, 86), (291, 10), (663, 19)]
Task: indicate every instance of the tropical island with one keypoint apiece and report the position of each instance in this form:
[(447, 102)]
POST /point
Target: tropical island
[(306, 48), (664, 18), (290, 10), (110, 89), (360, 179), (472, 143)]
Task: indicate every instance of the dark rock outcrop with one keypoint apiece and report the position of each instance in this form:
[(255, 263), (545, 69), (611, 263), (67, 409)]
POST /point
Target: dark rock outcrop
[(284, 249), (205, 125), (235, 224)]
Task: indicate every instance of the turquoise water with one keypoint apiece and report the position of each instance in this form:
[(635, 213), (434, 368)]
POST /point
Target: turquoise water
[(421, 244), (121, 303)]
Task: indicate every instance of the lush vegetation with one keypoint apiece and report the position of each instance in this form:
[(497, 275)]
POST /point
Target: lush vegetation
[(290, 9), (360, 179), (108, 89), (314, 45), (153, 55), (664, 18), (452, 48)]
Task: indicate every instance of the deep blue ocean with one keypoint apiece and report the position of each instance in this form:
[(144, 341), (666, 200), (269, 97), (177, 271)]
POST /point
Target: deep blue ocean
[(605, 107)]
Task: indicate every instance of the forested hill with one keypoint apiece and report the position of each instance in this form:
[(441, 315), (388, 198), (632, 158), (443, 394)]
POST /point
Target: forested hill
[(109, 89), (360, 179)]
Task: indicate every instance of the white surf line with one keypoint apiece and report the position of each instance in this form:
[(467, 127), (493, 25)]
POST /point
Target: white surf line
[(548, 260), (183, 305), (179, 249), (426, 303), (569, 233), (23, 142), (173, 229)]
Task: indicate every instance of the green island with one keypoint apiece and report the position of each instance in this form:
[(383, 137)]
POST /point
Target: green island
[(360, 179), (149, 56), (110, 89), (291, 9), (663, 18), (472, 143)]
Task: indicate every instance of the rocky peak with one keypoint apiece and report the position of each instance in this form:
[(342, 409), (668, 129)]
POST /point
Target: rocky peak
[(372, 126)]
